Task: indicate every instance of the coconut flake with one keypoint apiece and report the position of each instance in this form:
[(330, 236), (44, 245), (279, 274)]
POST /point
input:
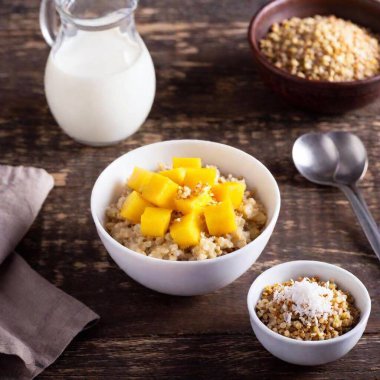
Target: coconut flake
[(287, 317), (309, 300)]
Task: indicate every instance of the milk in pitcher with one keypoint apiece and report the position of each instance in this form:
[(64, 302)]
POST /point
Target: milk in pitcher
[(100, 84)]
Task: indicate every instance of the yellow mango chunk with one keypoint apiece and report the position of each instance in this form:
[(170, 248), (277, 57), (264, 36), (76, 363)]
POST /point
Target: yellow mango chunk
[(204, 176), (193, 204), (177, 175), (160, 190), (220, 218), (186, 232), (139, 178), (155, 221), (133, 207), (234, 191), (186, 162)]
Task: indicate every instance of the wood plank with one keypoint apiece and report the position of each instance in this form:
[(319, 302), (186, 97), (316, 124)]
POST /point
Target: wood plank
[(208, 356)]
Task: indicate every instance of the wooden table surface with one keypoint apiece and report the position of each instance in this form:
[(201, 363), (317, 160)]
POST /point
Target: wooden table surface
[(207, 88)]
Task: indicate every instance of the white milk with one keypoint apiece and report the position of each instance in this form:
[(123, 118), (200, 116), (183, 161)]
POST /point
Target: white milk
[(100, 85)]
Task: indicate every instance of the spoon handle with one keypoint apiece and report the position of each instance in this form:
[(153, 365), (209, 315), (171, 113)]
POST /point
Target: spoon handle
[(369, 227), (361, 199)]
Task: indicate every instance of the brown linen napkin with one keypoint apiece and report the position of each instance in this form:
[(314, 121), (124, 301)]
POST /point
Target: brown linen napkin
[(37, 320)]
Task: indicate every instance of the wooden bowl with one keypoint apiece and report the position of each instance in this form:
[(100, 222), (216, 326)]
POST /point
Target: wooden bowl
[(321, 96)]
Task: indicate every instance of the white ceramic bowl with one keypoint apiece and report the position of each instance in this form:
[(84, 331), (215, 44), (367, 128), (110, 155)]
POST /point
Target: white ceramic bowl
[(185, 278), (309, 352)]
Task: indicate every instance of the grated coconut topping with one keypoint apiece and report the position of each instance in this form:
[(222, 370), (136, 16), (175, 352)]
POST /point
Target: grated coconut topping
[(308, 300)]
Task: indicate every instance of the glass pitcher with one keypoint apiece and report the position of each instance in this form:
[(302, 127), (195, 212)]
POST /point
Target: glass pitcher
[(99, 78)]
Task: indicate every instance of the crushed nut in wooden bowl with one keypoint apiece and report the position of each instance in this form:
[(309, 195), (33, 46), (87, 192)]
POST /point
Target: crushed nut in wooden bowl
[(322, 48)]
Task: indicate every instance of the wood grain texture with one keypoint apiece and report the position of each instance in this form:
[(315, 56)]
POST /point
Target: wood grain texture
[(207, 88)]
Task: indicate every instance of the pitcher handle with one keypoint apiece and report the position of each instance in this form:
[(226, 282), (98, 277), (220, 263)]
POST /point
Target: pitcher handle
[(48, 21)]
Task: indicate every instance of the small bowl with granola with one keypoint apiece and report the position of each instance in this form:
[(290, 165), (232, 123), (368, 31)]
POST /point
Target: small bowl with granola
[(308, 312), (185, 217)]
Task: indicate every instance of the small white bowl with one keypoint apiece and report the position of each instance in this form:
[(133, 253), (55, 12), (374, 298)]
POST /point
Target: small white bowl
[(309, 352), (185, 278)]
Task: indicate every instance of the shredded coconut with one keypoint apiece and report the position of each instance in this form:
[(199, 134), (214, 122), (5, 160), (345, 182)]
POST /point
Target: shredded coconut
[(309, 300)]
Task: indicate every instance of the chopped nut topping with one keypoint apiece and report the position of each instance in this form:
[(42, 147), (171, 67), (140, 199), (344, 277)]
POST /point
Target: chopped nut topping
[(183, 192)]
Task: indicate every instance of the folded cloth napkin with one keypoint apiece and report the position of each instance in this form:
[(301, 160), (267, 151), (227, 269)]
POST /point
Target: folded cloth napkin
[(37, 320)]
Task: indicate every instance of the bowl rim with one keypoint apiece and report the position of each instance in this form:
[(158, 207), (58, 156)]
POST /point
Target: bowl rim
[(363, 316), (259, 56), (228, 256)]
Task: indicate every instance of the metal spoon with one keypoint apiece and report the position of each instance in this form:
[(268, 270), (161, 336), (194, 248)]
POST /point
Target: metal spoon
[(317, 158), (353, 164)]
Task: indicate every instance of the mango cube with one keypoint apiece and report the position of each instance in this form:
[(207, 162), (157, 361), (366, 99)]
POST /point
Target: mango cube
[(133, 207), (204, 176), (160, 190), (193, 204), (220, 218), (186, 162), (155, 221), (234, 191), (177, 175), (139, 178), (186, 232)]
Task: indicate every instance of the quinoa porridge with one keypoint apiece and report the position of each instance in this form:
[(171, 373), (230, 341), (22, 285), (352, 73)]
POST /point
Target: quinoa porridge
[(185, 212), (307, 309)]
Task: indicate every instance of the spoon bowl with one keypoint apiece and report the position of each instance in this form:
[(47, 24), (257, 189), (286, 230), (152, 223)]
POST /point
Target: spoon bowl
[(316, 158), (353, 159)]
